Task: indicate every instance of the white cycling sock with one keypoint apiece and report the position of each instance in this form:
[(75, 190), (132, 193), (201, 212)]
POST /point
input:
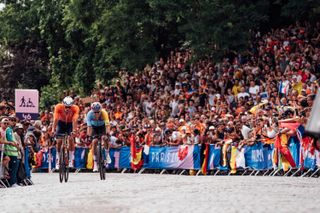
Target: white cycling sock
[(57, 156), (71, 155)]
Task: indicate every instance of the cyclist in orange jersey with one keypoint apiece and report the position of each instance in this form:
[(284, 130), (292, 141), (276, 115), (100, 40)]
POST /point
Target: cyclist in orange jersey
[(65, 122)]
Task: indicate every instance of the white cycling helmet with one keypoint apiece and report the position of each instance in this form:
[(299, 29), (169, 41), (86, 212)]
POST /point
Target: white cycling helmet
[(67, 101), (96, 107)]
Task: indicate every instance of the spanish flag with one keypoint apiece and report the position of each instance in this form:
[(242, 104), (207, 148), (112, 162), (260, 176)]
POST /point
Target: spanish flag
[(277, 145), (286, 159), (136, 154), (205, 160)]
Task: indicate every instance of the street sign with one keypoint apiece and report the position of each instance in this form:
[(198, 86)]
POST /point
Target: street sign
[(27, 104)]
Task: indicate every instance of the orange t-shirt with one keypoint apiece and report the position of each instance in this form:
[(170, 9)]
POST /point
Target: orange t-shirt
[(61, 114), (118, 115)]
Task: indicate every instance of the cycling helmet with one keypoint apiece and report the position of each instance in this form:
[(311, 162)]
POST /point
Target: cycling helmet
[(67, 101), (96, 107)]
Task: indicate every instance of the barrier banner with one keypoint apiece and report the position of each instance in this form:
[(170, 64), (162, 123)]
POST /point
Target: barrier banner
[(80, 157), (125, 157), (214, 157), (294, 147), (45, 159), (178, 157), (267, 155), (310, 160), (115, 159), (254, 156)]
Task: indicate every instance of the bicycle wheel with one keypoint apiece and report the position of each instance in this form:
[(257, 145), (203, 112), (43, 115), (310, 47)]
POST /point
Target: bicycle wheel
[(66, 172), (61, 164), (100, 161)]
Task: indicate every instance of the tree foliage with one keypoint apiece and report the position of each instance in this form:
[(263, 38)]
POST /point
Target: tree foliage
[(63, 44)]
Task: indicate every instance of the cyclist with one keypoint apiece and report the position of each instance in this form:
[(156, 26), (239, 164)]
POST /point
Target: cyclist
[(65, 122), (98, 125)]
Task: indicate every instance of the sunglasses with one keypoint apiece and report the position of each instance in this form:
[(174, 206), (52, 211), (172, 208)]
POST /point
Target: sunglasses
[(67, 107), (96, 112)]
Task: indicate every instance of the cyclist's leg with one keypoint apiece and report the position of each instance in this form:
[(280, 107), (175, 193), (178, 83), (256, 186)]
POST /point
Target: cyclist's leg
[(95, 154), (106, 146), (96, 131), (60, 131), (71, 145)]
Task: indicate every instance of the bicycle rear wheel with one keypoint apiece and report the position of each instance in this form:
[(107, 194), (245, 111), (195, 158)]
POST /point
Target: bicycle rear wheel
[(101, 164), (61, 164)]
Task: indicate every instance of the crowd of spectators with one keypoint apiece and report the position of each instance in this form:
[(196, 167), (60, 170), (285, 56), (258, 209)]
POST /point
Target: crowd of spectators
[(241, 100)]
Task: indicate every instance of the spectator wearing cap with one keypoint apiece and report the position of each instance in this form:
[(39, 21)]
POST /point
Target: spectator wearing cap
[(212, 136), (6, 159), (11, 150), (19, 138)]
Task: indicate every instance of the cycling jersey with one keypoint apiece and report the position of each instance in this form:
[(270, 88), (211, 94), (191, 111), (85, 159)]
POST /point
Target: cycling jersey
[(60, 113), (65, 118), (103, 119)]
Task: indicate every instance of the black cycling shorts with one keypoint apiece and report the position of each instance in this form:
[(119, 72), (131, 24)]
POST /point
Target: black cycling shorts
[(64, 128), (98, 130)]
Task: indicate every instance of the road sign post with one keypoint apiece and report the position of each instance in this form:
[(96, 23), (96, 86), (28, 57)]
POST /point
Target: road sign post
[(27, 104)]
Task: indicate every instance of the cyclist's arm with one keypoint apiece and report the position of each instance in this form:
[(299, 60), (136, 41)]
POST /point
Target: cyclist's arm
[(89, 124), (105, 117), (54, 126), (89, 131), (75, 118), (55, 117)]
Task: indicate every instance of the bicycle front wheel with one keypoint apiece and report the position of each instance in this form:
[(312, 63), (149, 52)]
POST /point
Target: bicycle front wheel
[(101, 163)]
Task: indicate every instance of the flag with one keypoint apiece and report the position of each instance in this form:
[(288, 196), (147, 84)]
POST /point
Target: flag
[(90, 159), (300, 133), (276, 152), (292, 126), (255, 108), (233, 164), (286, 156), (205, 159), (136, 154)]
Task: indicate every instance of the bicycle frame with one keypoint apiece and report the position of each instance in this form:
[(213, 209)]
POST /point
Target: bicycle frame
[(102, 169), (64, 159)]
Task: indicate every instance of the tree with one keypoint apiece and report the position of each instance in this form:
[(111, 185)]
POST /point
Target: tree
[(62, 44), (24, 62)]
